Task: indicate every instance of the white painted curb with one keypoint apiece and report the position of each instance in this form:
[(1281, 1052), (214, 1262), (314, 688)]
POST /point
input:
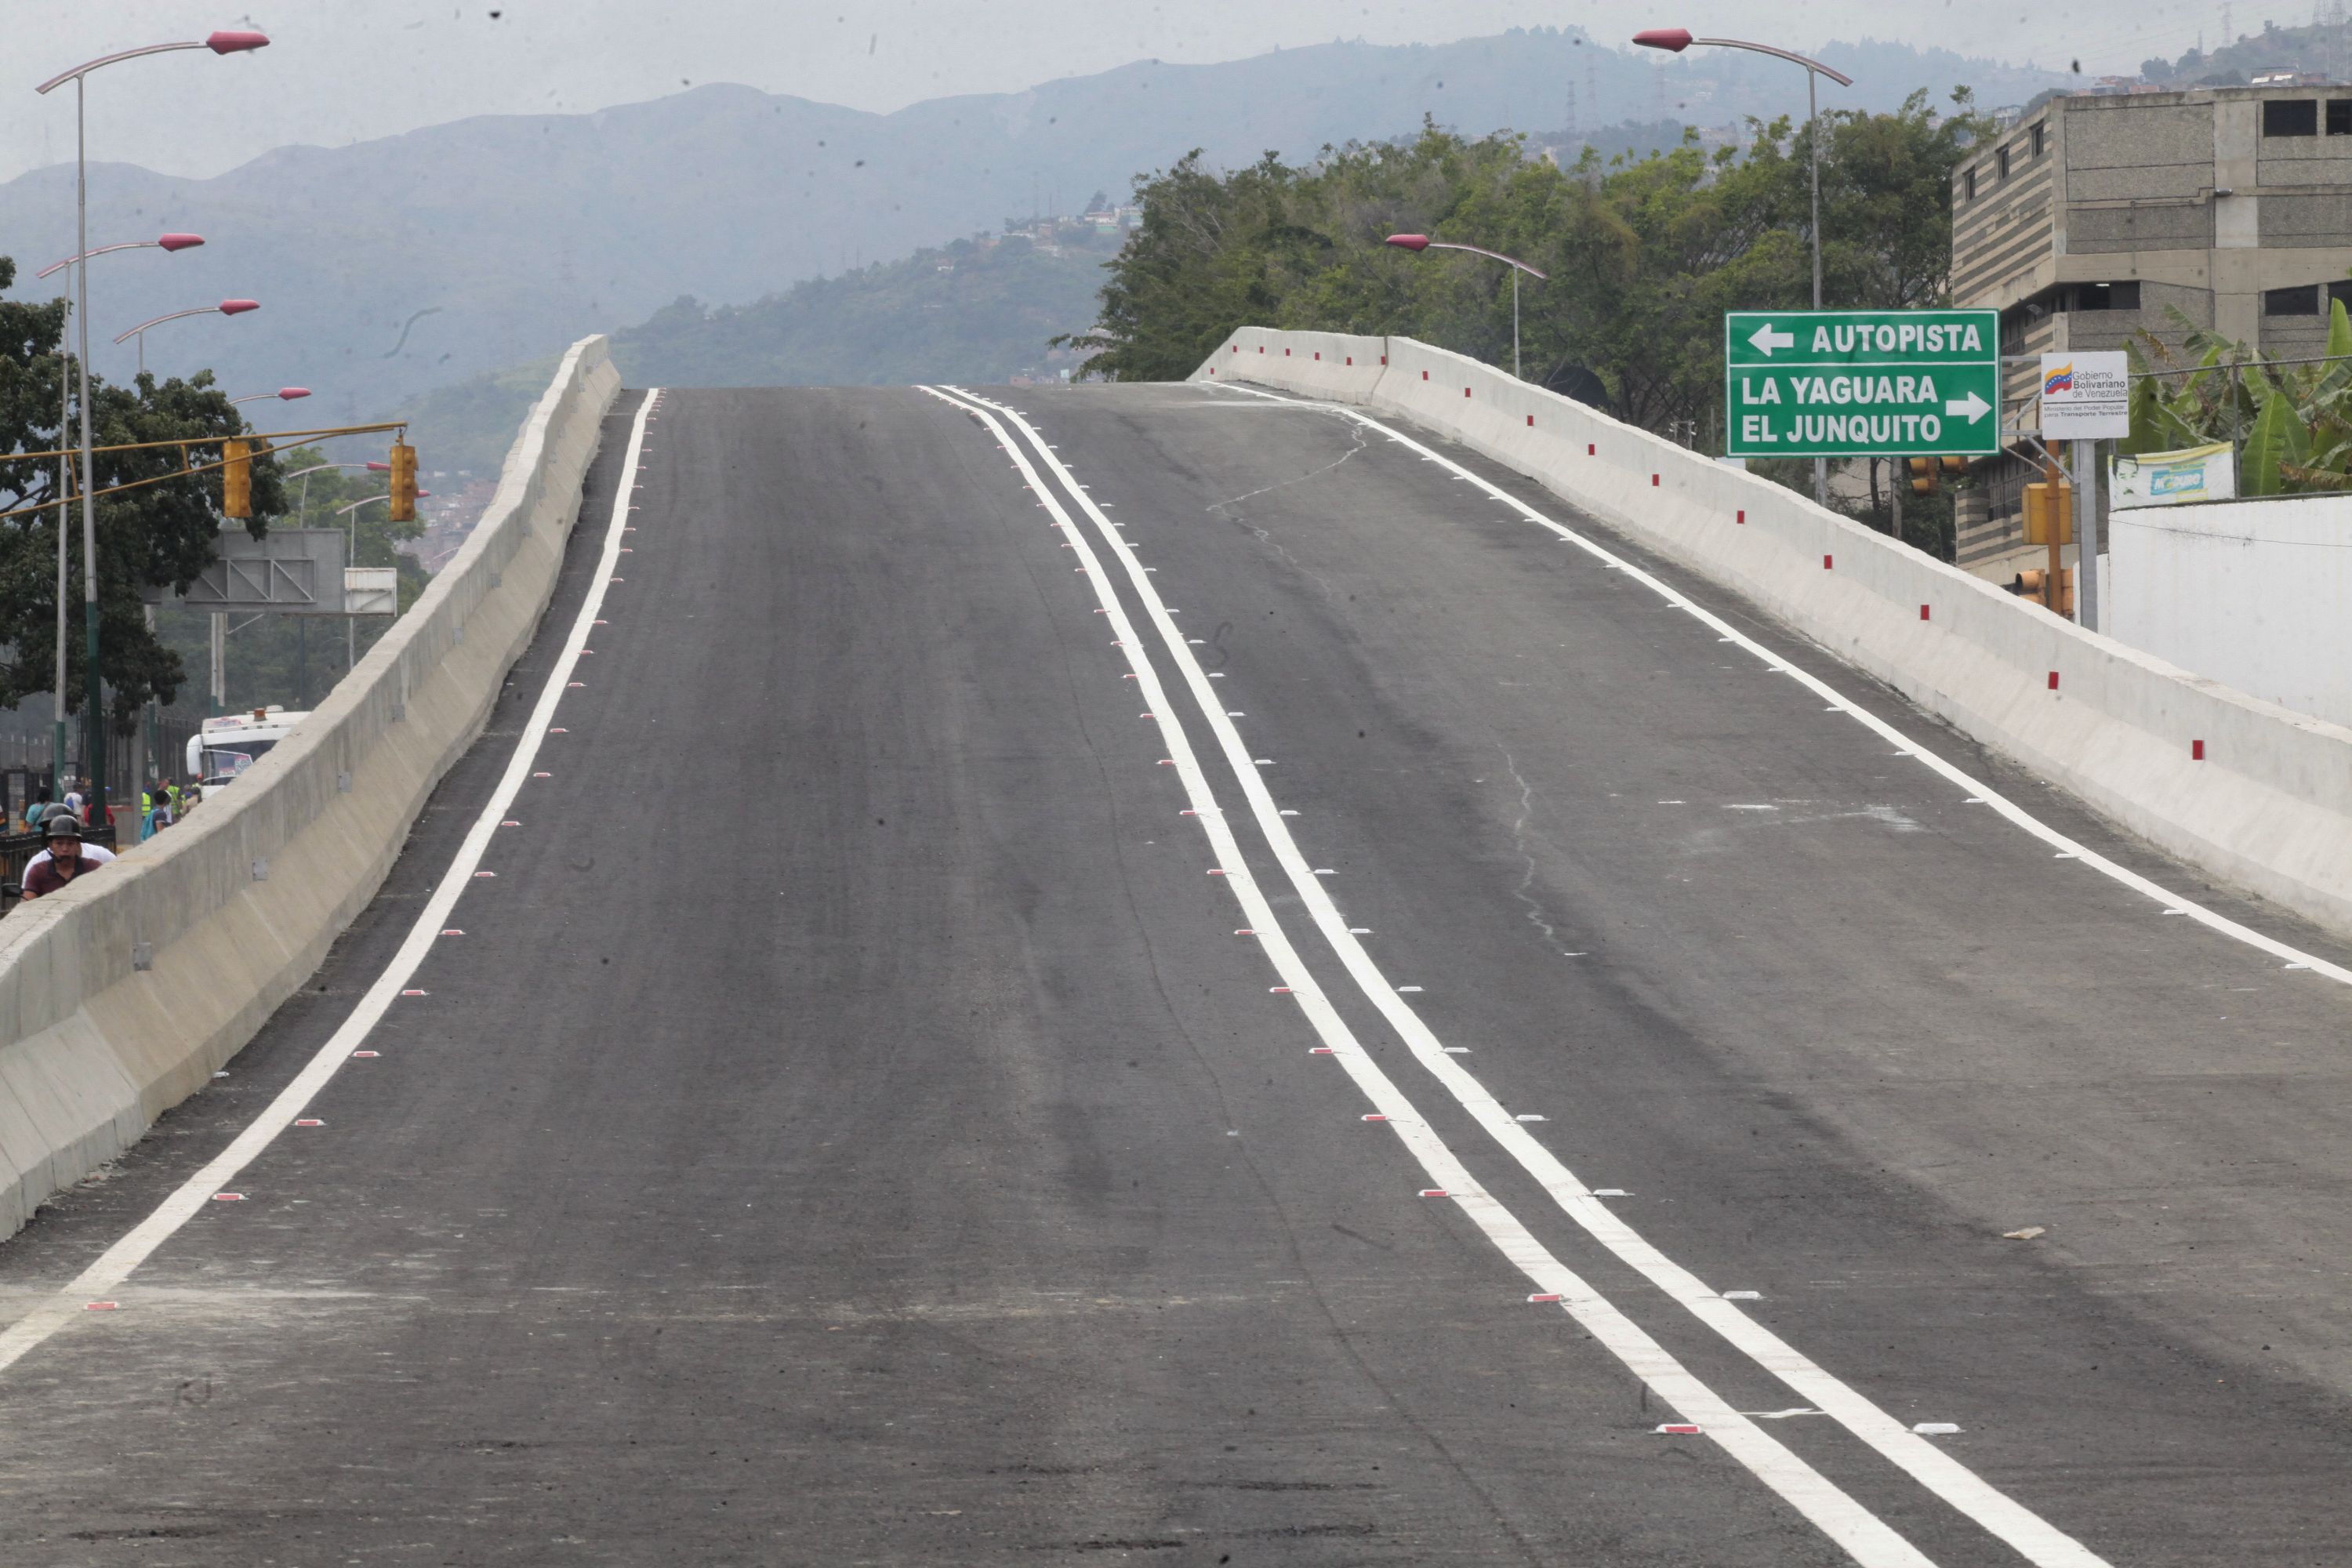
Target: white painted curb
[(238, 905), (2269, 807)]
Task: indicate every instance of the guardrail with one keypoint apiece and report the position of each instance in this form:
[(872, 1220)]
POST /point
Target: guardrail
[(2242, 788), (119, 996)]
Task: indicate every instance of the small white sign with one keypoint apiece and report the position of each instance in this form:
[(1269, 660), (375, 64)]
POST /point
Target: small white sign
[(2085, 396)]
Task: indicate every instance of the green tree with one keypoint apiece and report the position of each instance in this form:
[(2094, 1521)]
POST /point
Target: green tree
[(159, 535), (1645, 254)]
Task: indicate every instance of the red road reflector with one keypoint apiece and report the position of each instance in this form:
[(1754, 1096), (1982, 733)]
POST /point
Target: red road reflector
[(415, 993), (511, 822), (575, 686), (1323, 1051), (1245, 930), (1167, 762), (453, 930), (1679, 1429), (1465, 392), (1216, 873), (599, 623), (1653, 481), (480, 874), (542, 775), (310, 1121), (2196, 750), (1740, 516), (1277, 989), (228, 1197), (1923, 612), (1433, 1192), (1828, 563), (101, 1306), (557, 730), (1375, 1116), (363, 1055), (1547, 1296), (616, 579), (1590, 450), (1531, 421), (2053, 681), (627, 550)]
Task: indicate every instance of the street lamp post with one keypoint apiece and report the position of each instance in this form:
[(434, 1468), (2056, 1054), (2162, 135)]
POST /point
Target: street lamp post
[(226, 308), (302, 504), (167, 243), (1674, 40), (219, 43), (1419, 242)]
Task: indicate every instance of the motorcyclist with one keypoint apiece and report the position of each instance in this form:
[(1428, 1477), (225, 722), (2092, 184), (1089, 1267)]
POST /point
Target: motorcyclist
[(63, 861)]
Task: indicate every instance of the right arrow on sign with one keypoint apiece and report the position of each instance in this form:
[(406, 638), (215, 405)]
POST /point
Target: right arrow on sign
[(1971, 408), (1766, 340)]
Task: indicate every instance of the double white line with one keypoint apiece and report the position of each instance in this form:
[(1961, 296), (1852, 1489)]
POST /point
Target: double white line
[(1861, 1533)]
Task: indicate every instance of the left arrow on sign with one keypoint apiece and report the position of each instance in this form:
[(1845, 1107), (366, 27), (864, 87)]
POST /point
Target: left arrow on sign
[(1766, 340), (1971, 408)]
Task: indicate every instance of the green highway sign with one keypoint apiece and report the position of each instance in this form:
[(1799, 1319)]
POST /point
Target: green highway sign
[(1852, 384)]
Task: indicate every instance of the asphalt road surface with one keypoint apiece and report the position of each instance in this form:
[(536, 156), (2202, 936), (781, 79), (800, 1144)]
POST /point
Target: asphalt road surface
[(852, 1128)]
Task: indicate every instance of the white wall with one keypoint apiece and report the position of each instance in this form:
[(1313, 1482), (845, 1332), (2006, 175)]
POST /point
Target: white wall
[(236, 907), (2254, 593), (2268, 804)]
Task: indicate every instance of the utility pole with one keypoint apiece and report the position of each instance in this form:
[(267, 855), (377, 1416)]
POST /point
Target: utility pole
[(2086, 534), (64, 533)]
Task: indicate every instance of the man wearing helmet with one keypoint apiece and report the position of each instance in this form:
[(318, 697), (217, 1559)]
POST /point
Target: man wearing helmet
[(63, 860)]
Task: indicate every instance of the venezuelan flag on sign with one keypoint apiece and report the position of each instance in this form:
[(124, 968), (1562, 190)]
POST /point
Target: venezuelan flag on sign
[(2059, 380)]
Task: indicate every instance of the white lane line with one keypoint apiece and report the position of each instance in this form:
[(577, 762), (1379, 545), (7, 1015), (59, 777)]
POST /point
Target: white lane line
[(1980, 792), (116, 1264), (2032, 1536), (1862, 1535)]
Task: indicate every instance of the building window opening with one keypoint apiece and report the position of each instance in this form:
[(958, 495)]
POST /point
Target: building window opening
[(2002, 158), (2341, 289), (2107, 296), (2291, 117), (2340, 117), (1969, 181), (2042, 130), (2298, 301)]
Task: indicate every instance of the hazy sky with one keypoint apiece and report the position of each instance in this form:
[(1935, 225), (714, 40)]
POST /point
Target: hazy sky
[(344, 70)]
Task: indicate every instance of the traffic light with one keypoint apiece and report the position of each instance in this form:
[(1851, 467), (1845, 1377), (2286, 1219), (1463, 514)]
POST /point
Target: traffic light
[(403, 482), (2050, 513), (1926, 473), (2030, 586), (236, 479)]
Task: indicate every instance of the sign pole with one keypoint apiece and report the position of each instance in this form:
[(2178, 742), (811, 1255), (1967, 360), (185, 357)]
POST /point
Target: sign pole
[(2086, 534)]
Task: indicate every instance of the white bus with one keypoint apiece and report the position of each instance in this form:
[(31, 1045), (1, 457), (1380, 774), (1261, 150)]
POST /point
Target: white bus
[(226, 746)]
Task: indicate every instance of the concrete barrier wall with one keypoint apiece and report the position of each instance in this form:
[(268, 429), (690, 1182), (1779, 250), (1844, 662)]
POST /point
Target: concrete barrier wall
[(2269, 807), (2255, 593), (121, 995)]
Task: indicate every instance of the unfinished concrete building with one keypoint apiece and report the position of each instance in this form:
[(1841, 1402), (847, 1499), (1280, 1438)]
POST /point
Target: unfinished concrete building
[(2085, 219)]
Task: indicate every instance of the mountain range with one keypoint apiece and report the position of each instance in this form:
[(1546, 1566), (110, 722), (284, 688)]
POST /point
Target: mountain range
[(390, 267)]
